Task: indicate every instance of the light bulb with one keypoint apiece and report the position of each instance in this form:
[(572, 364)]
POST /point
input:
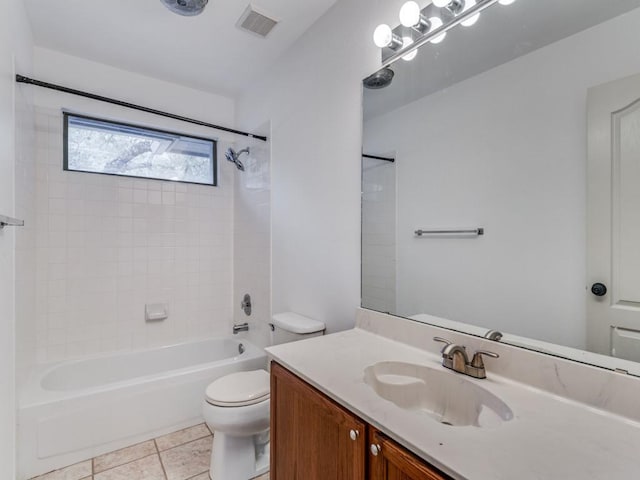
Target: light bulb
[(506, 2), (436, 23), (410, 14), (382, 36), (441, 3), (406, 41), (473, 19)]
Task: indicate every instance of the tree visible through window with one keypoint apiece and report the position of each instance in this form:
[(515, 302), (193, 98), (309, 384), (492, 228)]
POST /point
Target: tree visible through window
[(99, 146)]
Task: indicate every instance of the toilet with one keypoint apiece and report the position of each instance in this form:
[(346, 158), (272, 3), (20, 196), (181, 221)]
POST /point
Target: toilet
[(236, 408)]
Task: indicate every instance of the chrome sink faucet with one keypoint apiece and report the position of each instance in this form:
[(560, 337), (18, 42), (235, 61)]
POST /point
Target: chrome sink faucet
[(455, 358)]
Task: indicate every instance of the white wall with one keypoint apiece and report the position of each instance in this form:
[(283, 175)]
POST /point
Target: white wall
[(108, 245), (74, 72), (505, 150), (15, 54), (312, 96)]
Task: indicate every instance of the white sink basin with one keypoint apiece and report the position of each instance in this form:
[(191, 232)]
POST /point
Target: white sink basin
[(447, 397)]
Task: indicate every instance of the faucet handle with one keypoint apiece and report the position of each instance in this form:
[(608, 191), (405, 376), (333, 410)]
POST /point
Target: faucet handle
[(493, 335), (442, 340), (477, 358)]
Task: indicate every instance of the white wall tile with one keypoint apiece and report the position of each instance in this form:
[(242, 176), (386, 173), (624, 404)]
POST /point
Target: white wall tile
[(107, 245), (252, 241), (27, 243), (378, 235)]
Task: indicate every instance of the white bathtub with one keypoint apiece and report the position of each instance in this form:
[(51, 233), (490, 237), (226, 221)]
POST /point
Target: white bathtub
[(75, 410)]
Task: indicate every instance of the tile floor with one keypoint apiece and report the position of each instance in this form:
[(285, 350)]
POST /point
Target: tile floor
[(181, 455)]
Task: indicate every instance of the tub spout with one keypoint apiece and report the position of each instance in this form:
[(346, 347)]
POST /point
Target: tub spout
[(243, 327)]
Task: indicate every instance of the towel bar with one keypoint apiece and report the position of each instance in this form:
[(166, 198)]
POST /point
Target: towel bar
[(10, 222), (474, 231)]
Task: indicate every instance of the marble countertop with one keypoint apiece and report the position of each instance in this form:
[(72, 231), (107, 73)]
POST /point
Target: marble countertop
[(550, 437)]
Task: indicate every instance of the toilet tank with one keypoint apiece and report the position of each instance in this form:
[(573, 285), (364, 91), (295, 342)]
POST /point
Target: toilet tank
[(290, 327)]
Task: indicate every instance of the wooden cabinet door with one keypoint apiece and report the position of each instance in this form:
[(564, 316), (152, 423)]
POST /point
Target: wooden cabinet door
[(394, 462), (311, 434)]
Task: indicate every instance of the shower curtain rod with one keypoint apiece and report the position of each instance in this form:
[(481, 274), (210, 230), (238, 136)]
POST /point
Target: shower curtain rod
[(376, 157), (100, 98)]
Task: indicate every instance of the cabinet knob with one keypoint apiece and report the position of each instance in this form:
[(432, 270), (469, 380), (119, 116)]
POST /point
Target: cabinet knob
[(354, 434), (375, 449)]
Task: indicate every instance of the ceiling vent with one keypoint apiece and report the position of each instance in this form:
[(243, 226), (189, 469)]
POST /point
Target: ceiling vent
[(255, 22)]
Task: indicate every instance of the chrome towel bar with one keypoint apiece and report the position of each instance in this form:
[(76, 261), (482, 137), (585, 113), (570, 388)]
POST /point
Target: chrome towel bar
[(472, 231), (10, 222)]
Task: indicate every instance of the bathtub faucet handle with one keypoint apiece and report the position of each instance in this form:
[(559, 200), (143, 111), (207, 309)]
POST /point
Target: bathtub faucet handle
[(245, 305)]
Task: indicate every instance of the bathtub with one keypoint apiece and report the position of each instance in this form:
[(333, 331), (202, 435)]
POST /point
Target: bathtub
[(75, 410)]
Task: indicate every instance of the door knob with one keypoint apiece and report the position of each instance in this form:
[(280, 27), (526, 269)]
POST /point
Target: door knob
[(354, 434), (375, 449), (599, 289)]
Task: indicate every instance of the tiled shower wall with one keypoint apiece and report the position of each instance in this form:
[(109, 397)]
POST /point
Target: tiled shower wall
[(25, 195), (378, 235), (106, 246), (252, 244)]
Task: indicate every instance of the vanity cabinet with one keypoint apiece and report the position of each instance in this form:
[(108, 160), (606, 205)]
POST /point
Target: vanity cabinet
[(390, 461), (314, 438)]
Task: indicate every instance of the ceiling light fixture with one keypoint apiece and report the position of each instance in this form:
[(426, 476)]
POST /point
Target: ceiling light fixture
[(429, 24), (186, 8)]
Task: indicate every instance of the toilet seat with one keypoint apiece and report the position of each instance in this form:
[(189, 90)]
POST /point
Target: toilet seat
[(239, 389)]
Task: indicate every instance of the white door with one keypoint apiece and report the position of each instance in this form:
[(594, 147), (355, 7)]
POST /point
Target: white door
[(613, 219)]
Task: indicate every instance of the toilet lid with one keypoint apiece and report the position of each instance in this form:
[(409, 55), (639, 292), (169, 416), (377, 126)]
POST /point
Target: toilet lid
[(239, 389)]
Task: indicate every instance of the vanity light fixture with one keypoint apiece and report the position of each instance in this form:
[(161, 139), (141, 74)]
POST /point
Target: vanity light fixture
[(472, 19), (429, 24), (436, 23), (410, 16), (406, 41), (383, 37), (454, 6)]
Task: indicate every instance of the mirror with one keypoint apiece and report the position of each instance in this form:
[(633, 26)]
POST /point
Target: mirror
[(526, 126)]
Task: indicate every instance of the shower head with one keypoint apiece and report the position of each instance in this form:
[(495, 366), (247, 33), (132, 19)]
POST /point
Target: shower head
[(232, 156), (187, 8), (380, 79)]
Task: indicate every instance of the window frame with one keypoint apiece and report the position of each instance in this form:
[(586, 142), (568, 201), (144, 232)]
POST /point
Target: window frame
[(65, 148)]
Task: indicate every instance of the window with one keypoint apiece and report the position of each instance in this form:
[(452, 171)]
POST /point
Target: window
[(100, 146)]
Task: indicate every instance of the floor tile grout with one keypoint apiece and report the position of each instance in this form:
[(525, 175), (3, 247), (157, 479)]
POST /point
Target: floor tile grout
[(164, 470), (184, 443), (157, 453), (126, 463), (182, 429), (198, 474), (179, 446)]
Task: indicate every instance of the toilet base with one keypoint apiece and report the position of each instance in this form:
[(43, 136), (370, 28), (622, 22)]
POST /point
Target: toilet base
[(239, 458)]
